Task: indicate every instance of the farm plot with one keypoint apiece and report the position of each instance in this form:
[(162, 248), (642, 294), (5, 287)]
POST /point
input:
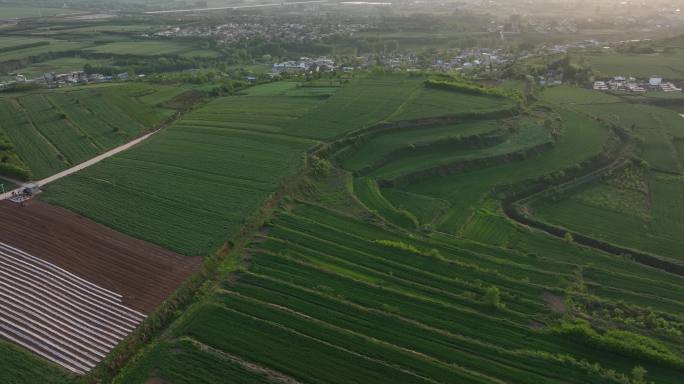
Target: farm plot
[(22, 366), (275, 88), (71, 288), (52, 130), (23, 12), (367, 190), (143, 104), (153, 48), (381, 146), (357, 105), (37, 153), (329, 298), (142, 273), (11, 43), (529, 135), (655, 125), (39, 49), (429, 102), (583, 138), (190, 187), (438, 150), (638, 65), (272, 114), (60, 65), (57, 315), (73, 144), (292, 88), (650, 221), (99, 131), (658, 127)]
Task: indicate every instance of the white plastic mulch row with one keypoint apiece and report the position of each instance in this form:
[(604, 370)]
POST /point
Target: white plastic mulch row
[(58, 315)]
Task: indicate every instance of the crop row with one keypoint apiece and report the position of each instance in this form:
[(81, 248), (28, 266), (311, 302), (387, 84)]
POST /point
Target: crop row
[(188, 188), (186, 361), (658, 233), (317, 291), (428, 268), (37, 153), (342, 323), (430, 102), (73, 143), (379, 146)]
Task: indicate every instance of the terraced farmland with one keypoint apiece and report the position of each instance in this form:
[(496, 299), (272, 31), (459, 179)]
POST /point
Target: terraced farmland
[(643, 218), (358, 105), (382, 146), (527, 137), (387, 256), (329, 298), (656, 126), (194, 185), (459, 169), (429, 102), (649, 221)]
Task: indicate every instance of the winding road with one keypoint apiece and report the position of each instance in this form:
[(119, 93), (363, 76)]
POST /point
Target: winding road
[(82, 165)]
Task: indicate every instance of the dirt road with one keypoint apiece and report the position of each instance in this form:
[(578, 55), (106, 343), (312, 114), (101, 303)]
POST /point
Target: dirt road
[(83, 165)]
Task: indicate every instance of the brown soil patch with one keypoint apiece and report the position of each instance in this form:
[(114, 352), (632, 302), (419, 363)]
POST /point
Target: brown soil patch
[(555, 303), (534, 325), (155, 380), (144, 274)]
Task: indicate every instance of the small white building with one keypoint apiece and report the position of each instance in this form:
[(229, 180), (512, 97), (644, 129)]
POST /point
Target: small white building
[(655, 81), (600, 86), (670, 87)]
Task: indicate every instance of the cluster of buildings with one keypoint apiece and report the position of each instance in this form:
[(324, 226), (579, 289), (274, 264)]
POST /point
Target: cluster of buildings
[(631, 84), (551, 77), (305, 65), (64, 79), (572, 46), (392, 60), (469, 59), (562, 26), (294, 32), (473, 59)]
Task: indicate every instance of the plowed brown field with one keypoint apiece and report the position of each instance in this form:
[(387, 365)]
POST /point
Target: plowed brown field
[(143, 273)]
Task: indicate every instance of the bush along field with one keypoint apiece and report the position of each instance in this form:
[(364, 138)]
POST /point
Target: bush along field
[(354, 276)]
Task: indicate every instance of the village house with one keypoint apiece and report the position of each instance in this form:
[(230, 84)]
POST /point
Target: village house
[(631, 84)]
